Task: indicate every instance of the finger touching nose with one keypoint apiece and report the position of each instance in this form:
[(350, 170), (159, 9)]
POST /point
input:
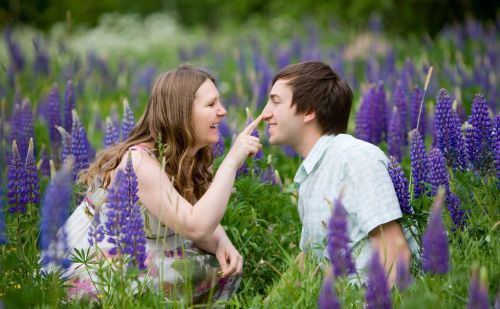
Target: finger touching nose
[(266, 115)]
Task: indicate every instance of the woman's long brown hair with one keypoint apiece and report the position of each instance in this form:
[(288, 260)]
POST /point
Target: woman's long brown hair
[(166, 121)]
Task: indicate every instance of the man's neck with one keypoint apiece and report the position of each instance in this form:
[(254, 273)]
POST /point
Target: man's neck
[(308, 141)]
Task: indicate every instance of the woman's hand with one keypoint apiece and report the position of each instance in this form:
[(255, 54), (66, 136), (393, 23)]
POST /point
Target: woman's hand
[(230, 260), (245, 144)]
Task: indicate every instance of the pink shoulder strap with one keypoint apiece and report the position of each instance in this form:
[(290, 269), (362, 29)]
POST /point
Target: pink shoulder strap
[(141, 147)]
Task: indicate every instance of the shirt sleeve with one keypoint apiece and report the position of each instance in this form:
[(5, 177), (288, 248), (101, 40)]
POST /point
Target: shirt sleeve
[(373, 199)]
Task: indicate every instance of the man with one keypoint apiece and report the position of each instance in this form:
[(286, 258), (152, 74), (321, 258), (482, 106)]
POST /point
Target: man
[(308, 109)]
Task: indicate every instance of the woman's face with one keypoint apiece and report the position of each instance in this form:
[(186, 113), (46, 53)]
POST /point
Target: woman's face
[(207, 114)]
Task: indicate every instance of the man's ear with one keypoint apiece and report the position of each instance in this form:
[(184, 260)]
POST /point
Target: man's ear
[(309, 116)]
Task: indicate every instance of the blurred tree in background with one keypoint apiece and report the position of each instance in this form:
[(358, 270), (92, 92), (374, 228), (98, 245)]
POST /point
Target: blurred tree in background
[(396, 17)]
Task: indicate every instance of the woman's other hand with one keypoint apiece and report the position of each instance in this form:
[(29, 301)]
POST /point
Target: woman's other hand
[(230, 260)]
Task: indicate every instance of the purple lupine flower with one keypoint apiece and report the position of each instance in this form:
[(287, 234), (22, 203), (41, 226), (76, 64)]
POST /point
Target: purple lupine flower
[(400, 102), (242, 170), (328, 297), (224, 129), (110, 134), (11, 76), (406, 78), (96, 230), (418, 159), (438, 174), (32, 180), (80, 146), (456, 213), (381, 112), (17, 189), (69, 105), (363, 120), (289, 151), (449, 137), (18, 59), (417, 108), (41, 65), (128, 120), (218, 148), (459, 153), (66, 143), (124, 225), (141, 83), (264, 72), (400, 183), (403, 276), (479, 136), (435, 256), (45, 162), (497, 147), (338, 240), (116, 215), (54, 212), (478, 293), (268, 175), (441, 118), (395, 136), (377, 294), (3, 234), (26, 128), (134, 237), (16, 124), (54, 117)]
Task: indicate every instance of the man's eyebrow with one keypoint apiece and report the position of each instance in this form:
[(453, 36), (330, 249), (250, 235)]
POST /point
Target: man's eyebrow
[(274, 96)]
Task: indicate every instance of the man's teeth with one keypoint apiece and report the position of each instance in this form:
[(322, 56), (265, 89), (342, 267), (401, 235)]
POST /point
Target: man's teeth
[(214, 126)]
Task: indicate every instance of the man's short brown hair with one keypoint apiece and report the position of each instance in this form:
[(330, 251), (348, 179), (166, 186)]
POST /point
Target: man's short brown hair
[(316, 87)]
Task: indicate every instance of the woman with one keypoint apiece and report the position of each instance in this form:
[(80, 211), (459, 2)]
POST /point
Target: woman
[(183, 203)]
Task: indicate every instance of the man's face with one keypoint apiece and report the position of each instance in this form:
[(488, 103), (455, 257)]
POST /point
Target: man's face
[(284, 124)]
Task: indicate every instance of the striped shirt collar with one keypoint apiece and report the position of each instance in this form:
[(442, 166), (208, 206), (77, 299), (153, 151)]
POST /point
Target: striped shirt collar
[(313, 158)]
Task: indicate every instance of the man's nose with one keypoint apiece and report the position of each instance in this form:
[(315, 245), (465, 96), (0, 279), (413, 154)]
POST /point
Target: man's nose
[(267, 113)]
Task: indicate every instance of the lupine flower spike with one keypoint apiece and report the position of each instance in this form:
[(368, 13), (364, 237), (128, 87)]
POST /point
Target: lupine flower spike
[(338, 242), (32, 179), (69, 105), (435, 258), (17, 189), (55, 211), (418, 159), (478, 291), (400, 185), (218, 148), (110, 133), (268, 175), (128, 120), (124, 225), (328, 297), (80, 146), (377, 294), (395, 135), (403, 276)]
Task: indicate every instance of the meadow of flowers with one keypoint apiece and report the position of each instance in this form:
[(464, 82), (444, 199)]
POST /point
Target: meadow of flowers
[(430, 103)]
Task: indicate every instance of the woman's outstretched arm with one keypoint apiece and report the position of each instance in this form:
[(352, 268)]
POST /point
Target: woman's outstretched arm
[(199, 221)]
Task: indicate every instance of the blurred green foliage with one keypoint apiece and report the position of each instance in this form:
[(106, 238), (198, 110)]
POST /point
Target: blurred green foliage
[(397, 17)]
